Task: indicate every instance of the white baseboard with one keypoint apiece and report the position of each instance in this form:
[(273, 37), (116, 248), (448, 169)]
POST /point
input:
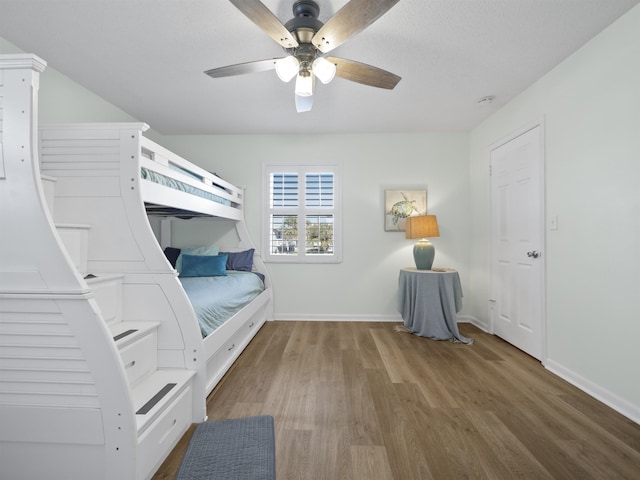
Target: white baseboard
[(473, 321), (288, 317), (610, 399), (337, 317)]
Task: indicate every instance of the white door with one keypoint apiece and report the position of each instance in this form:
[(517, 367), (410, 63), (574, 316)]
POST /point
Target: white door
[(517, 241)]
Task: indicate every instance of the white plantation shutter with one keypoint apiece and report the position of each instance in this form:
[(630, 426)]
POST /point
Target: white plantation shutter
[(302, 213)]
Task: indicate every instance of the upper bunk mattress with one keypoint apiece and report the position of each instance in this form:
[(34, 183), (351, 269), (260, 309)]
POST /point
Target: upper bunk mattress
[(216, 299), (183, 187)]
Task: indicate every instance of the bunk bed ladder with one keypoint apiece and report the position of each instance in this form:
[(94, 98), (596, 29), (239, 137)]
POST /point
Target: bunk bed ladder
[(162, 397)]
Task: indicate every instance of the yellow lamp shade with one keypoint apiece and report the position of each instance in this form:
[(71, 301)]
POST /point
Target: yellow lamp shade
[(423, 226)]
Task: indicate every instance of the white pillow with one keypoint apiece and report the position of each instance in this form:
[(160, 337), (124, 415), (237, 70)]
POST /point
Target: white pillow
[(202, 251)]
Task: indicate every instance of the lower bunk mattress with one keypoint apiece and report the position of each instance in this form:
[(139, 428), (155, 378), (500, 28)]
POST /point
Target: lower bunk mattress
[(216, 299)]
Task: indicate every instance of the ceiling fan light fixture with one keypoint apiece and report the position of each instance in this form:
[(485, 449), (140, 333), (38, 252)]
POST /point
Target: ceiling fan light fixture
[(305, 40), (287, 68), (304, 84), (304, 104), (323, 69)]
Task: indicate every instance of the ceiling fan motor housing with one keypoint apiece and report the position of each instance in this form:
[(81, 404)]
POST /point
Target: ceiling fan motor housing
[(305, 8), (305, 22)]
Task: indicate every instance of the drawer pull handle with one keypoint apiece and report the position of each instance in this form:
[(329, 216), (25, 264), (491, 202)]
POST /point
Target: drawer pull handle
[(167, 434), (252, 324), (231, 347), (130, 364)]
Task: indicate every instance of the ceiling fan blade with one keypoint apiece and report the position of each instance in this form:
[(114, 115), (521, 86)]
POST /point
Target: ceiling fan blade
[(304, 104), (242, 68), (354, 17), (259, 14), (363, 73)]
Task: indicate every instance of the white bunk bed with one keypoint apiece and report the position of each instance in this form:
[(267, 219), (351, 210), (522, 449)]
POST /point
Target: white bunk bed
[(204, 195), (109, 173), (102, 363)]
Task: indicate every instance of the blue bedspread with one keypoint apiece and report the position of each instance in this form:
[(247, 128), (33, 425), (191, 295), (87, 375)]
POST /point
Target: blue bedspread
[(216, 299), (178, 185)]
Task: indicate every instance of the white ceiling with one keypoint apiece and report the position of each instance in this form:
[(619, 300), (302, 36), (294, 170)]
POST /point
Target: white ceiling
[(148, 57)]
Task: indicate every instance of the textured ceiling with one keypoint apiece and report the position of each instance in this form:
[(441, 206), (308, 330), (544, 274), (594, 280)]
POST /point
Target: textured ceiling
[(148, 57)]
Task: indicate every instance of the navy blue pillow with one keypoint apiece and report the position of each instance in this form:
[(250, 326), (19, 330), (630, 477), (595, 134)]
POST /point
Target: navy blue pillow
[(204, 265), (172, 255), (240, 261)]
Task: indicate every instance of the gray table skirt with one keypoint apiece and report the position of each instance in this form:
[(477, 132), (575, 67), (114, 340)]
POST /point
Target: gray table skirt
[(429, 301)]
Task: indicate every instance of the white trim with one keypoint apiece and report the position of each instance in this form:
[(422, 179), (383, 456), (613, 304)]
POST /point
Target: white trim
[(516, 133), (22, 61), (610, 399), (305, 317), (291, 317), (467, 319), (481, 325)]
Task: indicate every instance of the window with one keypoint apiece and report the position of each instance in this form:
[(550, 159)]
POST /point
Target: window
[(302, 213)]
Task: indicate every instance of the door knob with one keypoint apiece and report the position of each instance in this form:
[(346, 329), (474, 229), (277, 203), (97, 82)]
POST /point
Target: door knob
[(533, 254)]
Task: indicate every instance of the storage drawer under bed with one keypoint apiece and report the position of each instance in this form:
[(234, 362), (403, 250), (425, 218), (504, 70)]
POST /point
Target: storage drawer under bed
[(218, 364)]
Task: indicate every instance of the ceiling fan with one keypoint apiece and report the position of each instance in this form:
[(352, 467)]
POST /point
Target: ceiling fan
[(306, 40)]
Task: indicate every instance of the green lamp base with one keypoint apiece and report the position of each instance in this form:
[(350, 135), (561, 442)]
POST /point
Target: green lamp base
[(423, 254)]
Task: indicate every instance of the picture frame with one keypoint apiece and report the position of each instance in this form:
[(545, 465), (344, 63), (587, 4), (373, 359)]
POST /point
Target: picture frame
[(403, 202)]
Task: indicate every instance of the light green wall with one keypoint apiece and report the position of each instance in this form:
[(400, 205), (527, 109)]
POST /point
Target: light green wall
[(591, 109), (364, 285), (61, 100)]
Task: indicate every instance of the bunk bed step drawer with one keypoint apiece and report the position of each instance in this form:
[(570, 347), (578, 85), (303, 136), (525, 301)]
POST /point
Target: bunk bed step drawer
[(76, 241), (107, 290), (140, 357), (160, 438)]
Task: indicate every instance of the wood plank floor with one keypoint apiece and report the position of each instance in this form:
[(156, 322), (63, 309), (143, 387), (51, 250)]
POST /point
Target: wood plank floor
[(363, 401)]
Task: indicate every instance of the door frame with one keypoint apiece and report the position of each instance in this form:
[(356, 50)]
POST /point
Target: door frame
[(543, 222)]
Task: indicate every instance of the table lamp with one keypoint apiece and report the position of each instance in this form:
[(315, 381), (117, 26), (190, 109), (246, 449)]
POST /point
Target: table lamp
[(422, 227)]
